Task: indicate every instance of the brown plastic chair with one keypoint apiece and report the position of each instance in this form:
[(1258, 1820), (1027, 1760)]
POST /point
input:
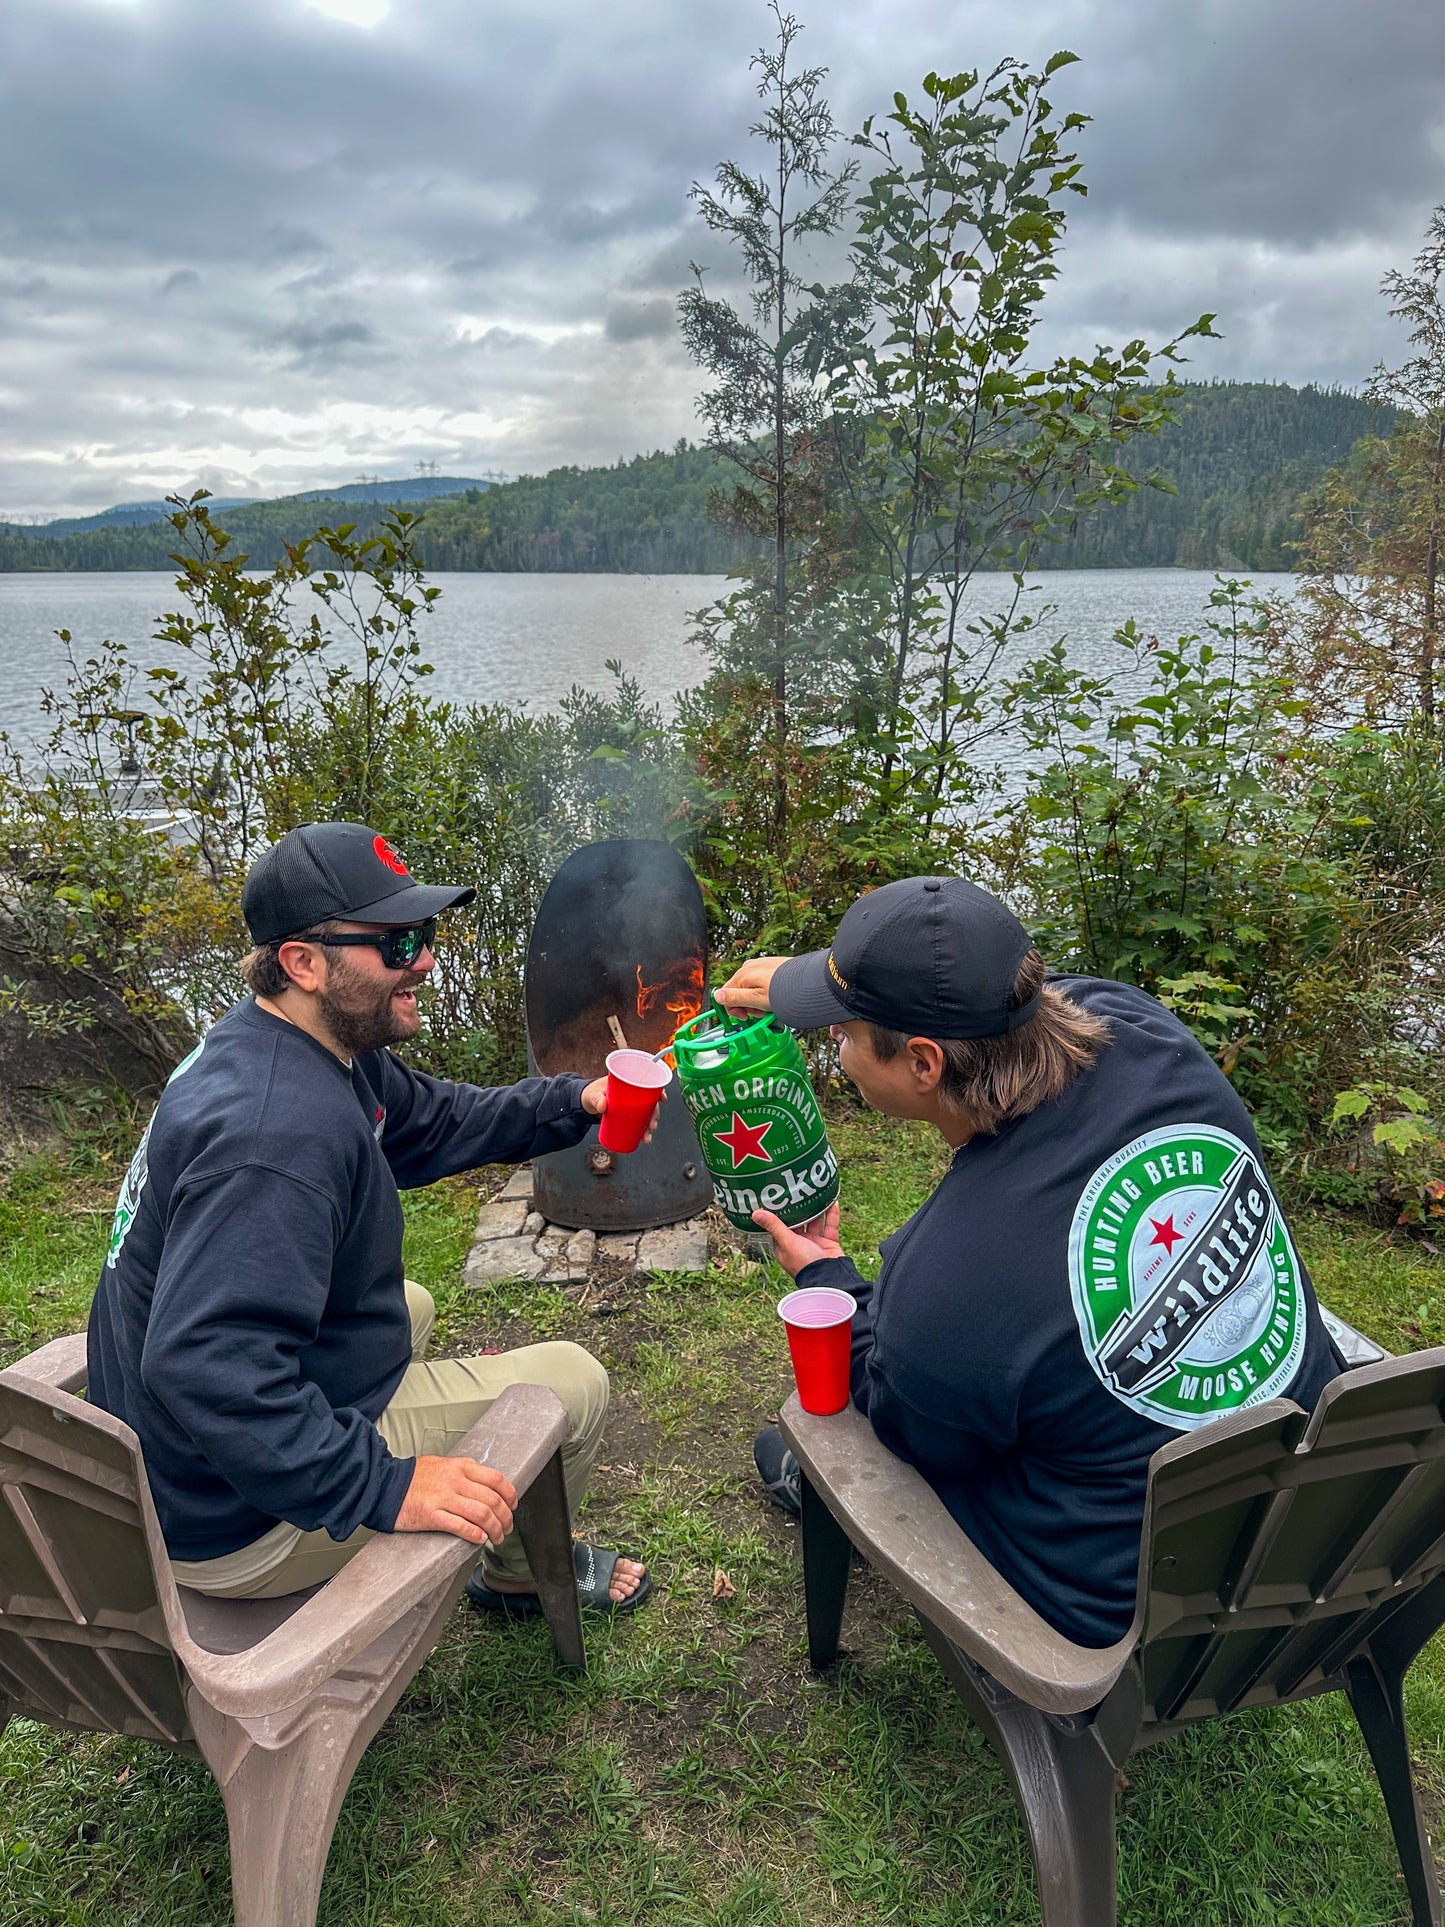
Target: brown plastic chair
[(1283, 1556), (279, 1697)]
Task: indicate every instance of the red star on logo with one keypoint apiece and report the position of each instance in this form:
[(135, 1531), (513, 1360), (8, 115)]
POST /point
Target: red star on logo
[(745, 1141), (1165, 1234)]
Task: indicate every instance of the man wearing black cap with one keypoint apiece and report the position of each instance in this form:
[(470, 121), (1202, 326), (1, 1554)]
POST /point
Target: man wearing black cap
[(252, 1323), (1103, 1266)]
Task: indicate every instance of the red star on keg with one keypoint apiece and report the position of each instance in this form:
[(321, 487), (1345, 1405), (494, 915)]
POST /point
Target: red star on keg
[(1165, 1234), (745, 1141)]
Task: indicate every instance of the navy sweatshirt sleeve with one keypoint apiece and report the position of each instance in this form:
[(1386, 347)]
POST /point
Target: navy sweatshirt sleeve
[(843, 1275), (223, 1347), (433, 1129), (972, 1431)]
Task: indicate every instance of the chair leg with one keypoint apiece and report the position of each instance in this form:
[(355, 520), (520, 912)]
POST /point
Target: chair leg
[(826, 1558), (544, 1522), (1378, 1702), (1065, 1784), (283, 1777), (281, 1810)]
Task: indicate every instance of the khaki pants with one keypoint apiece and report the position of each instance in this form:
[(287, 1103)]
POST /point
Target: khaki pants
[(433, 1407)]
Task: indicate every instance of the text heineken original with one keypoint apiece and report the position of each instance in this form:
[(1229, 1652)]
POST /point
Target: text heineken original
[(756, 1117)]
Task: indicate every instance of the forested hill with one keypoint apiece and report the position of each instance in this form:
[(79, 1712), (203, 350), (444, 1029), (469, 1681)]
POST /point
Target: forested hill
[(644, 516), (1241, 457)]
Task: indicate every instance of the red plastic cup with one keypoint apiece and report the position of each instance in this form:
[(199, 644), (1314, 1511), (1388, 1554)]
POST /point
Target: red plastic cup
[(819, 1320), (635, 1083)]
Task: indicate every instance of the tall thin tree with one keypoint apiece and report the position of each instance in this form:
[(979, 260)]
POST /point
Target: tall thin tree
[(763, 408), (1362, 638)]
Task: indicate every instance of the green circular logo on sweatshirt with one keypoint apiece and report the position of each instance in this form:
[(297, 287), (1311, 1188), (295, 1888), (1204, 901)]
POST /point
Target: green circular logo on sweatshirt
[(1189, 1295)]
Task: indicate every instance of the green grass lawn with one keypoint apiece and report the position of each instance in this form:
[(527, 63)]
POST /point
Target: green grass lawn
[(699, 1775)]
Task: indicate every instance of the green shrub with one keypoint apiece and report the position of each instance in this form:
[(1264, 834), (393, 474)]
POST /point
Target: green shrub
[(1192, 842), (301, 698)]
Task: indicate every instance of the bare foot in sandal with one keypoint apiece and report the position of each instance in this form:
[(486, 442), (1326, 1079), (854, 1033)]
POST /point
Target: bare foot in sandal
[(627, 1576), (605, 1582)]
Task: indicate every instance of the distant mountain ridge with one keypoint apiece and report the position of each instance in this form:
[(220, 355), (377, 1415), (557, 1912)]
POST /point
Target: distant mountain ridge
[(1242, 459), (397, 491)]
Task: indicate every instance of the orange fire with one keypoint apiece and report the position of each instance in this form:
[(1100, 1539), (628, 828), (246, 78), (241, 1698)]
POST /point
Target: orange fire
[(685, 985)]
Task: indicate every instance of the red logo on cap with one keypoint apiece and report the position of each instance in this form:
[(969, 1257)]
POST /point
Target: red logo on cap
[(385, 854)]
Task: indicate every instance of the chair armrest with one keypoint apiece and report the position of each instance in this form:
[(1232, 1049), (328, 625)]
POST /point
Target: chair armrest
[(392, 1573), (60, 1364), (896, 1519)]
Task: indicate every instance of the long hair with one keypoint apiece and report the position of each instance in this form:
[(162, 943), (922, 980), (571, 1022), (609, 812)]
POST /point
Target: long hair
[(992, 1080)]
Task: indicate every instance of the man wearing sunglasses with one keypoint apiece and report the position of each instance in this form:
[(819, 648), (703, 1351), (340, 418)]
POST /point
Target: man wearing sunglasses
[(252, 1324)]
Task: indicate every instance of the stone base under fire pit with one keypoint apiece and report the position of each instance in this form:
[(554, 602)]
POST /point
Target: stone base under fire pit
[(514, 1241)]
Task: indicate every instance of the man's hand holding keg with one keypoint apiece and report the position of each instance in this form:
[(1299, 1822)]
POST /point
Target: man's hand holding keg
[(747, 988)]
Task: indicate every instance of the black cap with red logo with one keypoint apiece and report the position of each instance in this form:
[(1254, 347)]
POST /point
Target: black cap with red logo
[(341, 870)]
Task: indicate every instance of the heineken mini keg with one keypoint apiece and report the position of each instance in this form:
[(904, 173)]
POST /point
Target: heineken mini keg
[(756, 1117)]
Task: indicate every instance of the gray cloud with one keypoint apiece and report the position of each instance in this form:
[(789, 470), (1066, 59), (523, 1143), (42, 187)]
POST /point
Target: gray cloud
[(277, 247), (629, 319)]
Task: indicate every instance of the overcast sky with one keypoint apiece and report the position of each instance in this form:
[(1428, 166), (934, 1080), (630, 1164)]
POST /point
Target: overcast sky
[(280, 243)]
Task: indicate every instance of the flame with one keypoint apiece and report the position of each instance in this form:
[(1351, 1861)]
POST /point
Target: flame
[(688, 1002), (647, 993), (684, 982)]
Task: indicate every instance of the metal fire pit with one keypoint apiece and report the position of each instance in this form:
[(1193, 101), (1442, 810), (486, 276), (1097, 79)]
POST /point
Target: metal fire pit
[(621, 933)]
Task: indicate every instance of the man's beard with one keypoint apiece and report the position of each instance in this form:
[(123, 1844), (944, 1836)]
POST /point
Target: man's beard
[(358, 1010)]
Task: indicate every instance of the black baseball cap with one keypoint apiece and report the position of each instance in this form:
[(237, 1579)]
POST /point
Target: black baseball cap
[(341, 870), (933, 956)]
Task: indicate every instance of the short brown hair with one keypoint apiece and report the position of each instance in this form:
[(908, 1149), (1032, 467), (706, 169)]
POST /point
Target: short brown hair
[(261, 969), (992, 1080)]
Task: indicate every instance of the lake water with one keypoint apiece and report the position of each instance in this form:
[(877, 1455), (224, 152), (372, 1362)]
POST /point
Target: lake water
[(529, 638)]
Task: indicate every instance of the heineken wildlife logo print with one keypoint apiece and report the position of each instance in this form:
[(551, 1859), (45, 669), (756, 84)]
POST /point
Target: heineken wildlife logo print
[(128, 1203), (1187, 1289)]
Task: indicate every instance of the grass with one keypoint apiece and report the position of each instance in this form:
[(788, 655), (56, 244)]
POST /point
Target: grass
[(699, 1776)]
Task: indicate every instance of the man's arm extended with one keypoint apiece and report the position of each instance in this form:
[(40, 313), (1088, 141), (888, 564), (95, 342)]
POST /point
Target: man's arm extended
[(812, 1255), (434, 1128)]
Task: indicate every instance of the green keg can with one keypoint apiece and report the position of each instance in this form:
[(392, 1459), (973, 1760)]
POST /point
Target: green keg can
[(756, 1118)]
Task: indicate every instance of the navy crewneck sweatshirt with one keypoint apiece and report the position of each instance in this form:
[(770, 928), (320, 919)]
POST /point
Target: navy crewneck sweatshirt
[(1085, 1284), (251, 1322)]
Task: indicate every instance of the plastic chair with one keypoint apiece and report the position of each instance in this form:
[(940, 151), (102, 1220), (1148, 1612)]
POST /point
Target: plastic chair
[(1284, 1555), (279, 1697)]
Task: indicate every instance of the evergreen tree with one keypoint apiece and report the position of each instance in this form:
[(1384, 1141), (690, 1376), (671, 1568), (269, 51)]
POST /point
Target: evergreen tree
[(762, 410)]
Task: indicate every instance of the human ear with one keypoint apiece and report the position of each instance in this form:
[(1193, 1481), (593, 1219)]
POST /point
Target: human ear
[(926, 1060), (304, 964)]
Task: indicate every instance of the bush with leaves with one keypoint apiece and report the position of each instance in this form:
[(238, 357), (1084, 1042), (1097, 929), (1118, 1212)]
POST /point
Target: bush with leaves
[(839, 843), (289, 697), (497, 798), (1191, 842), (1401, 1152)]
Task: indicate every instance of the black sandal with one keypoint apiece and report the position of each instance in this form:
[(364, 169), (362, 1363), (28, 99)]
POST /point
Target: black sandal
[(595, 1567)]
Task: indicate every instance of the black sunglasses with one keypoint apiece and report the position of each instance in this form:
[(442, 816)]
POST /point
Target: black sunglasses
[(399, 948)]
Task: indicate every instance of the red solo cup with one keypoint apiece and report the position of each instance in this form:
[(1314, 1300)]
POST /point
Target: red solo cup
[(635, 1082), (820, 1331)]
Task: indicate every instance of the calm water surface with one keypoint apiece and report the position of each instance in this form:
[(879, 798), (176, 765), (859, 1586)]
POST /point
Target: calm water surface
[(530, 638)]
